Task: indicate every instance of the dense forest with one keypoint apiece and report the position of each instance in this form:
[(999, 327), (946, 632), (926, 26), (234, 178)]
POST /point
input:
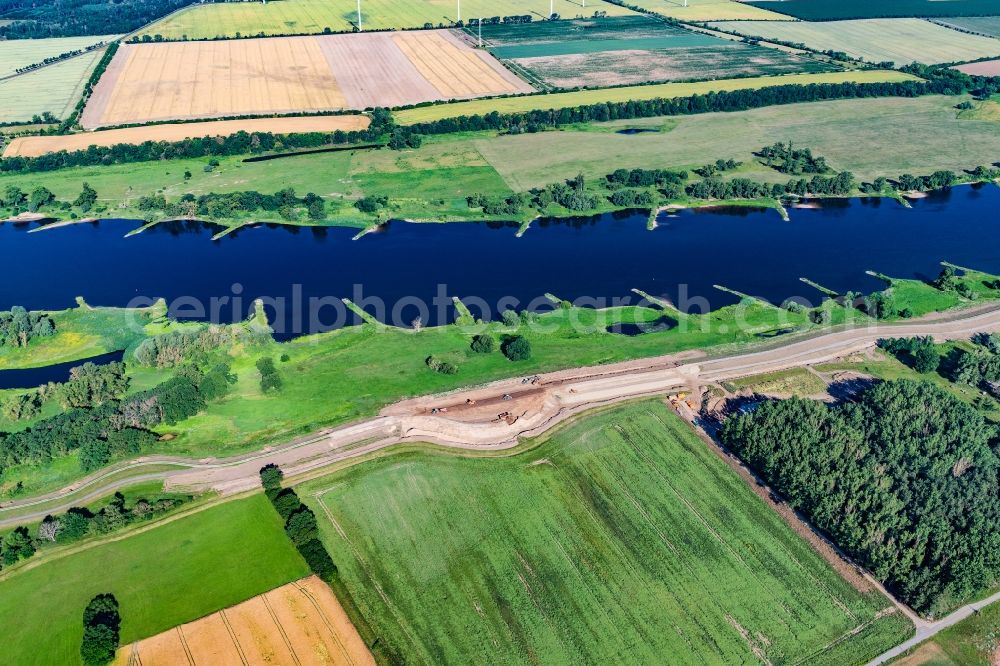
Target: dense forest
[(905, 480), (36, 19)]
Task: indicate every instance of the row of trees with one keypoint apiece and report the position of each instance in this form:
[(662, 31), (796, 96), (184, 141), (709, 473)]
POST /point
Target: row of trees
[(240, 143), (736, 100), (80, 522), (56, 58), (229, 205), (18, 327), (910, 183), (300, 523), (904, 480)]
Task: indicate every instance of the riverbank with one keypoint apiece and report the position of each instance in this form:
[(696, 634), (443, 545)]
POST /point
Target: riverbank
[(434, 181)]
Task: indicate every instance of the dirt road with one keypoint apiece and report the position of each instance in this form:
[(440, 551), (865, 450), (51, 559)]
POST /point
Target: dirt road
[(927, 629), (496, 416)]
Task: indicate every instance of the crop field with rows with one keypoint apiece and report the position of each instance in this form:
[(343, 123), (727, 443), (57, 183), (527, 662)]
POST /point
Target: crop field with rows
[(622, 538)]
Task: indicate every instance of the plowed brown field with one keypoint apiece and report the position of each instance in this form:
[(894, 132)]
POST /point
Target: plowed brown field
[(33, 146), (184, 80), (299, 623)]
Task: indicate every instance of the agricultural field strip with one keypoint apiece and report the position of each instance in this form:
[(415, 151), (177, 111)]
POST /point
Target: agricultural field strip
[(632, 50), (986, 68), (33, 146), (289, 624), (16, 53), (988, 26), (901, 40), (293, 17), (55, 88), (165, 81), (836, 10), (709, 10), (635, 509)]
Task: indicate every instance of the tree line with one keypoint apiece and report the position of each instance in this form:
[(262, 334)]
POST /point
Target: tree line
[(736, 100), (240, 143), (80, 522), (904, 480), (300, 523), (232, 204)]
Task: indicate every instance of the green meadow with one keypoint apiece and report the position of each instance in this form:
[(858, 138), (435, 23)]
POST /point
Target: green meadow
[(621, 538), (171, 573)]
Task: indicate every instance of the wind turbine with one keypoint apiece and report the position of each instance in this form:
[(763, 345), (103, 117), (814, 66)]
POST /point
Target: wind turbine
[(359, 15), (459, 10)]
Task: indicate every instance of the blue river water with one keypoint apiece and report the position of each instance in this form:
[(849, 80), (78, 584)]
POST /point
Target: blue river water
[(410, 270), (32, 377)]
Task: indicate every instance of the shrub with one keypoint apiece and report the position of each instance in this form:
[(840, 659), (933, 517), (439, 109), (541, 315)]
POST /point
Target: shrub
[(484, 344), (510, 318), (517, 348), (270, 380), (101, 622)]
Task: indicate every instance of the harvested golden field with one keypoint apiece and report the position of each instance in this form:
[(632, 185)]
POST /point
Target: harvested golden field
[(299, 623), (185, 80), (33, 146)]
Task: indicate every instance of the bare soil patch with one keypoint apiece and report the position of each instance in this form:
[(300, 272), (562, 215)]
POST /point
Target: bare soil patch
[(299, 623), (33, 146)]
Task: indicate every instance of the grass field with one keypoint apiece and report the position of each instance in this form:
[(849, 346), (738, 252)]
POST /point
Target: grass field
[(170, 81), (795, 382), (164, 576), (707, 10), (621, 538), (835, 10), (55, 89), (630, 49), (982, 25), (23, 52), (880, 129), (986, 109), (972, 642), (582, 97), (313, 16), (901, 41)]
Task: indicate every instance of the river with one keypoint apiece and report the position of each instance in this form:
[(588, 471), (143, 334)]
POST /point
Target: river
[(594, 259)]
